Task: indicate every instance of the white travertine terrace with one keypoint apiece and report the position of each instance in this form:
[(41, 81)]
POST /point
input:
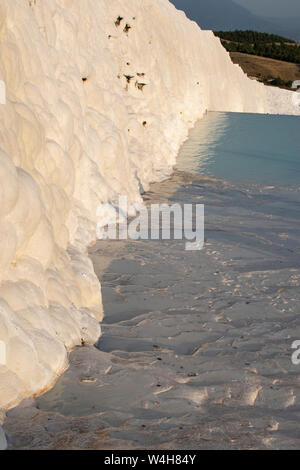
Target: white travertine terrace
[(94, 109)]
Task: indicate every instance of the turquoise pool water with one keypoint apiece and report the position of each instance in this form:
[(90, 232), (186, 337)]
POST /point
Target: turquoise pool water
[(245, 148)]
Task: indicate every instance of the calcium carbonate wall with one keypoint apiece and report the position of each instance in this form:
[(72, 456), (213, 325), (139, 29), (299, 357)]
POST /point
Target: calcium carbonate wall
[(94, 109)]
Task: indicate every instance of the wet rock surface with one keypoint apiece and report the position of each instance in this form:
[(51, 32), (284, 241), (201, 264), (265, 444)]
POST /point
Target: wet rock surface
[(3, 442), (196, 346)]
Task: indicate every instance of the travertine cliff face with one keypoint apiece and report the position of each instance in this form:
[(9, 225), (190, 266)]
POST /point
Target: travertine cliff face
[(100, 95)]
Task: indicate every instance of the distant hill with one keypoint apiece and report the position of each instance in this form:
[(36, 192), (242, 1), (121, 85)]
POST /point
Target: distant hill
[(269, 71), (227, 15), (271, 59), (248, 36), (260, 44)]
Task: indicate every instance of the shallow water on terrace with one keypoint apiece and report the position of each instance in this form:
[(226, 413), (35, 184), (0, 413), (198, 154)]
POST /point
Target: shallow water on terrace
[(196, 346), (245, 148)]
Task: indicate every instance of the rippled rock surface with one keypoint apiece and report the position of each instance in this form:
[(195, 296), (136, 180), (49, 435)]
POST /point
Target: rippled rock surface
[(196, 346)]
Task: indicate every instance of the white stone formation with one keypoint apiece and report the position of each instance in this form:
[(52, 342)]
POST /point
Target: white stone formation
[(99, 97)]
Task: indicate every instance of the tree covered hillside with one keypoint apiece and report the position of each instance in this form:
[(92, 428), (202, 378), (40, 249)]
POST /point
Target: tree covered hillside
[(260, 44)]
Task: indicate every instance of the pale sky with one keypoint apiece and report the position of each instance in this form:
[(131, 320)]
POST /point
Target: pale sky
[(272, 8)]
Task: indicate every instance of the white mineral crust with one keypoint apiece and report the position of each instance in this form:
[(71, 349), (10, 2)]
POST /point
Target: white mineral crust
[(93, 109)]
